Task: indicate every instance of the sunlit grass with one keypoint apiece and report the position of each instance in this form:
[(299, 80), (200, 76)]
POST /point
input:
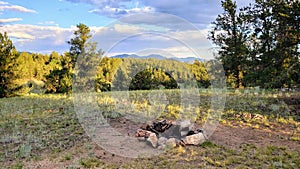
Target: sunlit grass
[(35, 124)]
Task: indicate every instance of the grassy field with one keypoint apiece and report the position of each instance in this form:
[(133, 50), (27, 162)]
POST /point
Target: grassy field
[(258, 129)]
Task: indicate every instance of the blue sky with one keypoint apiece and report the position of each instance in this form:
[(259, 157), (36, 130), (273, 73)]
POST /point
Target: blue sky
[(54, 12), (177, 27)]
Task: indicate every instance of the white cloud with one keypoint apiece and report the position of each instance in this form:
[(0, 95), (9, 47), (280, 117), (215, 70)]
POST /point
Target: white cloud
[(122, 28), (3, 3), (198, 12), (184, 51), (16, 8), (119, 12), (10, 20), (120, 38), (180, 51), (195, 11), (21, 35), (114, 8), (102, 3), (48, 23), (34, 38)]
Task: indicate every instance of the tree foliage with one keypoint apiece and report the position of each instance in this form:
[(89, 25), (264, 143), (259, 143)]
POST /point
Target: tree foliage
[(259, 44), (79, 42), (228, 34), (149, 79), (60, 79), (8, 56)]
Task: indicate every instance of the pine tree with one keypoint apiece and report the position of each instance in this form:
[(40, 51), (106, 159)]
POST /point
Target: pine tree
[(60, 80), (8, 56), (227, 33)]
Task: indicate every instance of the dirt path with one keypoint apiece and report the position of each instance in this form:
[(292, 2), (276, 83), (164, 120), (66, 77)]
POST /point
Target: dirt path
[(234, 137), (231, 137), (228, 136)]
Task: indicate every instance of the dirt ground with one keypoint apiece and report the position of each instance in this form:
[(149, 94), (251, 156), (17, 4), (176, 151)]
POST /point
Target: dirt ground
[(234, 137), (229, 136)]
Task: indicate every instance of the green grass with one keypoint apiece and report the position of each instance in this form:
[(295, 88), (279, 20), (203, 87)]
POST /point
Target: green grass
[(47, 124), (35, 124), (90, 162), (210, 155)]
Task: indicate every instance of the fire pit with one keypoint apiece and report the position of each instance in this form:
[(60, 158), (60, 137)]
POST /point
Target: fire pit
[(166, 133)]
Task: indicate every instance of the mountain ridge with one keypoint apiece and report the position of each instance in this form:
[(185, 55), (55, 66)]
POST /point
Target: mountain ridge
[(159, 57)]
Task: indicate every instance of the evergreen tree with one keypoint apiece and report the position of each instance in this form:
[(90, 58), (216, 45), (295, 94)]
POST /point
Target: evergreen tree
[(60, 80), (79, 42), (274, 51), (227, 33), (8, 56)]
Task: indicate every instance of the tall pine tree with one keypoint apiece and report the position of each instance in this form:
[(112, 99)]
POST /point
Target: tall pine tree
[(8, 56), (227, 33)]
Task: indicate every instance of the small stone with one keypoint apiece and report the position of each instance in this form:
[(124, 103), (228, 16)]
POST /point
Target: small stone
[(171, 142), (162, 141), (161, 147), (142, 133), (194, 139), (141, 138), (184, 133), (185, 124), (185, 127), (153, 139)]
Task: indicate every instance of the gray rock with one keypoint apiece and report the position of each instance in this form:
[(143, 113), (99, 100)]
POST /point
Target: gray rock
[(184, 133), (161, 147), (141, 138), (171, 143), (172, 132), (153, 139), (194, 139), (185, 127), (162, 141), (142, 133), (185, 124)]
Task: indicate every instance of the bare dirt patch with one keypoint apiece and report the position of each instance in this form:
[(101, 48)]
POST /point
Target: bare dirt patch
[(231, 136), (71, 158), (234, 137)]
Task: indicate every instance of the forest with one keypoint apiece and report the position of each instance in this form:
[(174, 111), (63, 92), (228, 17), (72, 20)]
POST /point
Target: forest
[(23, 72)]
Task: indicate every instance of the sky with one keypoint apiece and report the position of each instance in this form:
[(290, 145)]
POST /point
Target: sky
[(173, 27)]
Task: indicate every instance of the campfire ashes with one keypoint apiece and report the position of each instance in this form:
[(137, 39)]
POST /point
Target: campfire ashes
[(167, 133)]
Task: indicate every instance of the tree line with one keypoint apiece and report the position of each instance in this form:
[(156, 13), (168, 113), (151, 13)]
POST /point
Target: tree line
[(259, 44), (24, 72)]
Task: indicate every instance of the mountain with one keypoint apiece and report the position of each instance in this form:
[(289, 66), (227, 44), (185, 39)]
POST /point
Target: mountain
[(189, 59), (159, 57)]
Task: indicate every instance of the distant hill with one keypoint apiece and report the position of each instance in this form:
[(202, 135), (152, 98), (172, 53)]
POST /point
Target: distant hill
[(160, 57), (189, 59)]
